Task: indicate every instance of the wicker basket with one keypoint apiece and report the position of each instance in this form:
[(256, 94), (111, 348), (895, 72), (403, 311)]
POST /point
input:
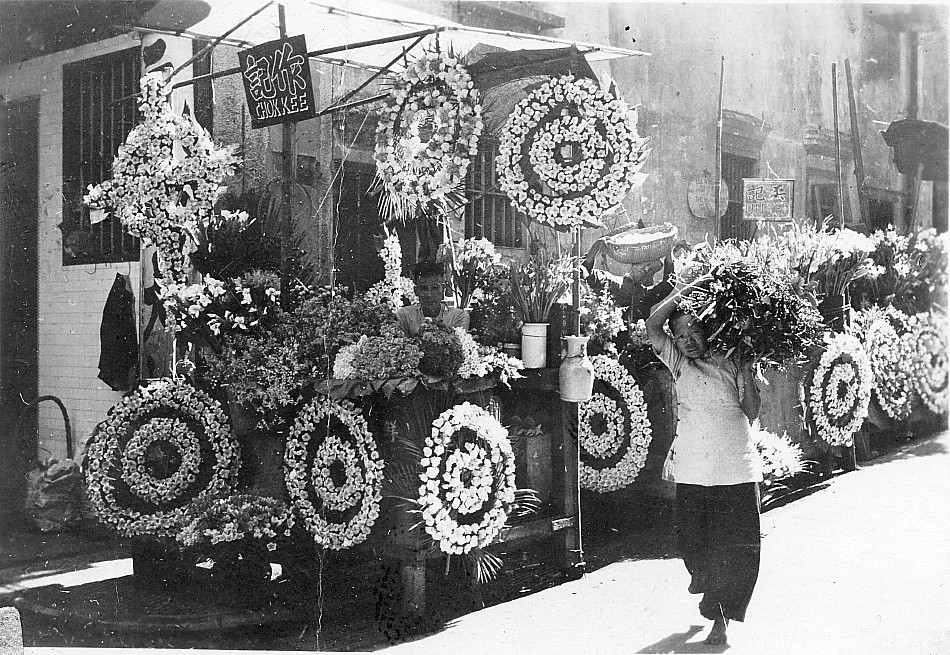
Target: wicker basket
[(657, 244)]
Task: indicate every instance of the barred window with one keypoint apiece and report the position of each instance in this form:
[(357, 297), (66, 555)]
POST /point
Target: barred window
[(488, 213), (99, 111)]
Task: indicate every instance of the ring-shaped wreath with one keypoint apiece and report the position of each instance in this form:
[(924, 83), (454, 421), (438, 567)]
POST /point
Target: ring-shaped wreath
[(839, 390), (614, 430), (468, 479), (891, 364), (162, 446), (427, 135), (927, 342), (569, 153), (333, 472)]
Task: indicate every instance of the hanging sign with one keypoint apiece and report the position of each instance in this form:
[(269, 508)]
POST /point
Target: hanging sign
[(767, 200), (277, 82), (701, 196)]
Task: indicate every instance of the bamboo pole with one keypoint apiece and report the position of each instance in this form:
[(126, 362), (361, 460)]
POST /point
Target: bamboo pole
[(718, 167), (287, 185), (856, 147), (839, 182)]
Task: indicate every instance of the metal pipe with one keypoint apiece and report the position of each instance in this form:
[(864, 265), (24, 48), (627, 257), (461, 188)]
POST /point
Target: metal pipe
[(718, 166), (834, 104), (856, 147)]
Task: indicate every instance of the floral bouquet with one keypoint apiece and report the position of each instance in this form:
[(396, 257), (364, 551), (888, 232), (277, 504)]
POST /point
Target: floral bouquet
[(601, 319), (752, 311), (232, 518), (393, 290), (441, 350), (537, 283), (780, 458), (473, 262), (388, 356), (493, 317), (206, 311), (481, 361)]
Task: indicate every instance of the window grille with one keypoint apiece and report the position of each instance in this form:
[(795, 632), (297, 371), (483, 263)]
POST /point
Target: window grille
[(488, 212), (99, 111)]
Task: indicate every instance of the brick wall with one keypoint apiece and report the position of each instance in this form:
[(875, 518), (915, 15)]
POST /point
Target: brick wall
[(71, 298)]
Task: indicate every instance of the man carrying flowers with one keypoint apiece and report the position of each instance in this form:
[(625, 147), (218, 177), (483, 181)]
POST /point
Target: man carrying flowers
[(430, 288), (635, 291)]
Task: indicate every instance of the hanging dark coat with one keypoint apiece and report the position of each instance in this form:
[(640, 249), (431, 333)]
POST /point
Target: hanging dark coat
[(119, 349)]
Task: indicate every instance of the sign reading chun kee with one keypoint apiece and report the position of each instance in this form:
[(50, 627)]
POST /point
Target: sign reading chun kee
[(277, 82), (767, 200)]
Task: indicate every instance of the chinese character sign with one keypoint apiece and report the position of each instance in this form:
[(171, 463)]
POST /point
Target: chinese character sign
[(277, 82), (767, 200)]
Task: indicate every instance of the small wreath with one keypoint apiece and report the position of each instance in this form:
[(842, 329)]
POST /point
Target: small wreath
[(334, 473), (428, 133), (161, 447), (928, 346), (890, 365), (569, 153), (468, 479), (161, 195), (614, 429), (840, 390)]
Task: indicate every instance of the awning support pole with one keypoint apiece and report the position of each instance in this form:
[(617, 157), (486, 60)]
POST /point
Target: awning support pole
[(211, 46), (373, 78), (287, 184), (318, 53)]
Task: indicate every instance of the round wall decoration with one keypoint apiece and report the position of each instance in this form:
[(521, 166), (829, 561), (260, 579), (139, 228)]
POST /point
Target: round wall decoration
[(839, 390), (701, 196)]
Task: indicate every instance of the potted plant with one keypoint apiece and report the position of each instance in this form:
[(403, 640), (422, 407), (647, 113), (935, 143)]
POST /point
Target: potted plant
[(536, 284)]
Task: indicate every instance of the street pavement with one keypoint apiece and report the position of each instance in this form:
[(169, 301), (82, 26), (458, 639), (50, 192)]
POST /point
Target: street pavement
[(858, 567)]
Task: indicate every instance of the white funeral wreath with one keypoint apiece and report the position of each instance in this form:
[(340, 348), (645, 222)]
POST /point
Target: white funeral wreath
[(173, 415), (569, 153), (313, 490), (468, 482), (627, 428), (840, 390)]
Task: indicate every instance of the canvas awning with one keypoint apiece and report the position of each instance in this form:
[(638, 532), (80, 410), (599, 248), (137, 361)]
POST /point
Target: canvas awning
[(337, 24)]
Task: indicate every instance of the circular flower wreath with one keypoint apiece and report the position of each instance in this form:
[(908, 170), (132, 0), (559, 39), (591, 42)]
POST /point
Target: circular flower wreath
[(891, 366), (928, 346), (334, 473), (429, 132), (468, 479), (840, 390), (161, 157), (567, 187), (161, 447), (614, 429)]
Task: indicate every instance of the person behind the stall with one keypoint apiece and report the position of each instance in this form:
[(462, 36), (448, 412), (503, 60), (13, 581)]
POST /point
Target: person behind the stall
[(635, 292), (430, 289), (712, 462)]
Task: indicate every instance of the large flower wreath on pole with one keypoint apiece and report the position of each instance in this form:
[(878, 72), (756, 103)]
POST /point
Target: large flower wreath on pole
[(334, 473), (165, 177), (614, 431), (928, 344), (161, 447), (839, 390), (569, 152), (468, 479), (426, 137)]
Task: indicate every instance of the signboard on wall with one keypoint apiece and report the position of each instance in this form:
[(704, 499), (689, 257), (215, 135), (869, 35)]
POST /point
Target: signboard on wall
[(767, 200), (277, 82), (701, 196)]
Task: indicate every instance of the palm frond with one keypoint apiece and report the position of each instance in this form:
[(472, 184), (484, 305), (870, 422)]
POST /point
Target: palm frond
[(484, 564), (526, 503)]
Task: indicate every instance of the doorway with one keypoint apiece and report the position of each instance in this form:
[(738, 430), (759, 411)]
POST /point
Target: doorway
[(19, 215)]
